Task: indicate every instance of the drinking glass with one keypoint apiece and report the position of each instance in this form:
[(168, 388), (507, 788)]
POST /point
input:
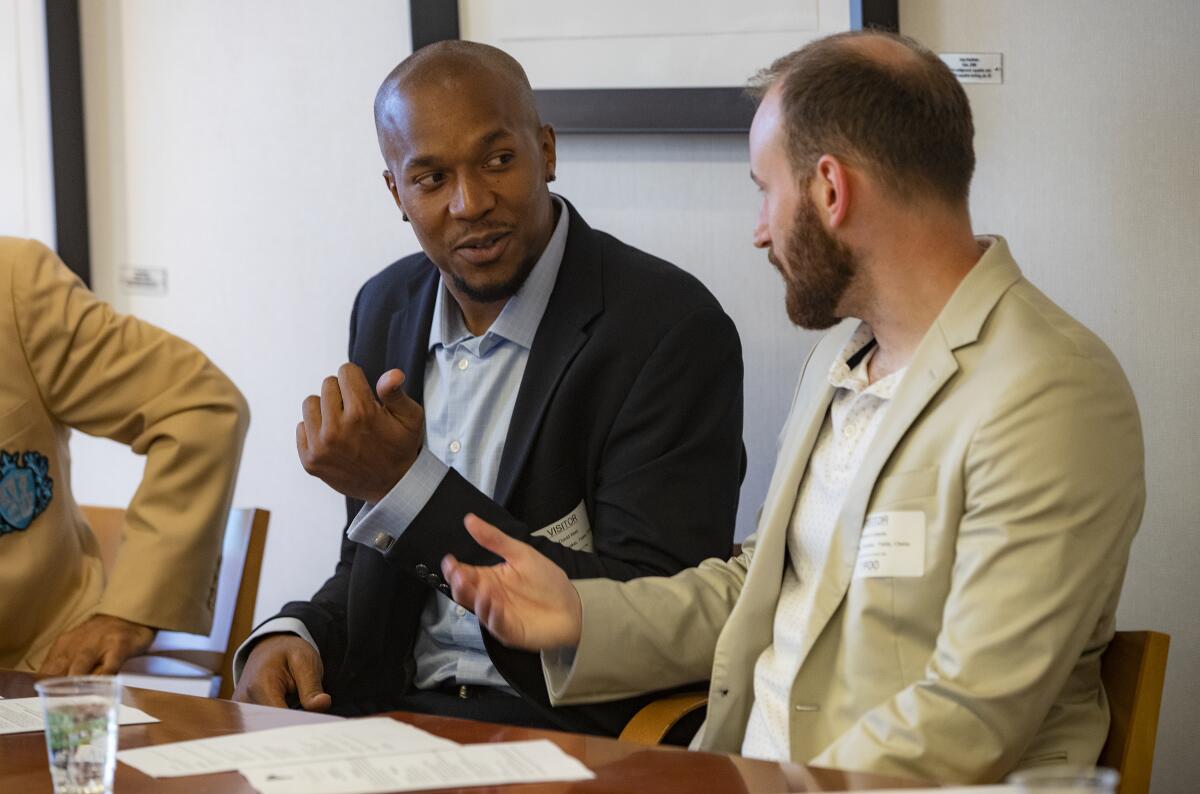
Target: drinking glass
[(1066, 780), (81, 732)]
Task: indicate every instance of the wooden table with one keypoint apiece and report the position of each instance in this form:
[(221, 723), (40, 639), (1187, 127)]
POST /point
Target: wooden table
[(619, 766)]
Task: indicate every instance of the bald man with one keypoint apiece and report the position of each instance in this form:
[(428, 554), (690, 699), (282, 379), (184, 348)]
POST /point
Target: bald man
[(583, 395), (938, 562)]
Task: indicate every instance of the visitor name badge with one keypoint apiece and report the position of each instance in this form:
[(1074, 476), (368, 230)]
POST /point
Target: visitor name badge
[(892, 544), (573, 530)]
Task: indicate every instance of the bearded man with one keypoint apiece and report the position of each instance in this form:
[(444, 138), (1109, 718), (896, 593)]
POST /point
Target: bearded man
[(937, 565)]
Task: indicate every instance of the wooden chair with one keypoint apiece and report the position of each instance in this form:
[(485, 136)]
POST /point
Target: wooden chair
[(181, 655), (1132, 668)]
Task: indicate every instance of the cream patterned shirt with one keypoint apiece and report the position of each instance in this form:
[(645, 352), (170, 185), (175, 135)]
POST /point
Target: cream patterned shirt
[(856, 412)]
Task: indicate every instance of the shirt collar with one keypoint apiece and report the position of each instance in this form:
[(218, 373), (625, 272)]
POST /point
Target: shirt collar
[(843, 376), (519, 319)]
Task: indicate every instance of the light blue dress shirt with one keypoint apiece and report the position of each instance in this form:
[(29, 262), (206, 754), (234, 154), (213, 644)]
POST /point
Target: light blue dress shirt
[(471, 386)]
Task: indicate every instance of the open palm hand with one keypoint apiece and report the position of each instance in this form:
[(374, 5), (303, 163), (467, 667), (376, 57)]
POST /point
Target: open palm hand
[(526, 601)]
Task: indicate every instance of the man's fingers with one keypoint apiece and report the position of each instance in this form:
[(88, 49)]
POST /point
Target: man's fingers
[(301, 440), (390, 388), (492, 539), (461, 578), (310, 411), (331, 400), (269, 692), (307, 677), (110, 662), (355, 391), (56, 663), (83, 662)]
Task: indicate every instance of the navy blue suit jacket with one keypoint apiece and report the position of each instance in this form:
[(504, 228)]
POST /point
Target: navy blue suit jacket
[(631, 403)]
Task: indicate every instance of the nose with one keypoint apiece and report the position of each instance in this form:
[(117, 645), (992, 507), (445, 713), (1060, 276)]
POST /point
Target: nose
[(472, 198), (762, 234)]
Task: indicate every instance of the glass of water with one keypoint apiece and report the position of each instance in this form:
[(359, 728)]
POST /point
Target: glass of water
[(81, 731), (1066, 780)]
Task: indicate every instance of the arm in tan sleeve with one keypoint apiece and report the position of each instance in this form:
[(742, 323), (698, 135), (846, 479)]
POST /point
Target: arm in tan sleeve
[(646, 634), (118, 377), (1054, 494)]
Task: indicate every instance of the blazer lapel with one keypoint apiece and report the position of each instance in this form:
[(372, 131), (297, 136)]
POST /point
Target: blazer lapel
[(576, 300), (408, 333), (933, 365)]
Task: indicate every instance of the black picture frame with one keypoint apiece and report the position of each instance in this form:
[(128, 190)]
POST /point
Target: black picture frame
[(67, 148), (637, 110)]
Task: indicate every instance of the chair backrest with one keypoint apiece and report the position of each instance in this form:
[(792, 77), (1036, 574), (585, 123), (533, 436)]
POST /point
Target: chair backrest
[(1133, 668), (237, 588)]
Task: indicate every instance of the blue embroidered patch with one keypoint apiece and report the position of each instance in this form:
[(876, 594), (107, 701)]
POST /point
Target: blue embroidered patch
[(25, 489)]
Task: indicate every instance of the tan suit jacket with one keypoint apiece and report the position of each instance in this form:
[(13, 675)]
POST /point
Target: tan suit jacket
[(1015, 433), (70, 361)]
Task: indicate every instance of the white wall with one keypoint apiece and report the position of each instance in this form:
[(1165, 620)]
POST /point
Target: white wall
[(1089, 162), (26, 179), (232, 144)]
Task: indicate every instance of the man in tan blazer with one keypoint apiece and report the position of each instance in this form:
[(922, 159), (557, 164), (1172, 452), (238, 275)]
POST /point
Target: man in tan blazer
[(70, 361), (937, 565)]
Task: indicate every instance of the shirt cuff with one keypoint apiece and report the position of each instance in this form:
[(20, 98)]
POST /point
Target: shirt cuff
[(275, 626), (379, 525)]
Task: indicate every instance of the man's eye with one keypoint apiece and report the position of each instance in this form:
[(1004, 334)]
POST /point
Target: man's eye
[(431, 180), (499, 160)]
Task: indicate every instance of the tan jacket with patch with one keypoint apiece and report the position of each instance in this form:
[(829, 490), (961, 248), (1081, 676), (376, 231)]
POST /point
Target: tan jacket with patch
[(69, 361)]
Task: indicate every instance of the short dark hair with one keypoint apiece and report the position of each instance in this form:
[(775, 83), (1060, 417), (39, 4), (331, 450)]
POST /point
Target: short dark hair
[(906, 119)]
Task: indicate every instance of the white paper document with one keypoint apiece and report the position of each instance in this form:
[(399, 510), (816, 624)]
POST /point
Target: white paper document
[(24, 715), (322, 741), (538, 761)]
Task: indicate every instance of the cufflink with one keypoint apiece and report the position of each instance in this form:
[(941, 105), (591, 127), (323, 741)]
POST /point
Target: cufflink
[(382, 542)]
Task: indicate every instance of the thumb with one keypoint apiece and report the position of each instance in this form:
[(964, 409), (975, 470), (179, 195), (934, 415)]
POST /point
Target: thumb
[(390, 389), (307, 676), (507, 548)]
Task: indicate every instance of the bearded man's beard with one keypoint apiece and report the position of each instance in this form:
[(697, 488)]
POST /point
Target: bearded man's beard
[(817, 272)]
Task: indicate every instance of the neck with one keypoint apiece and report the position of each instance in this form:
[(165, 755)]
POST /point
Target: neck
[(907, 279), (478, 317)]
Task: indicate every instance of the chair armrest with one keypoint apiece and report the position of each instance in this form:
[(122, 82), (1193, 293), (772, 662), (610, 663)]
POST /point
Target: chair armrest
[(650, 725)]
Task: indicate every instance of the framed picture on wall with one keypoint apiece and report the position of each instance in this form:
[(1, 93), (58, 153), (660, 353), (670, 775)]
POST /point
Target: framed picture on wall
[(637, 66)]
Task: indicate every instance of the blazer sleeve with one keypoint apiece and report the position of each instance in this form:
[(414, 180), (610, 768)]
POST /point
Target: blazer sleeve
[(668, 628), (1054, 490), (121, 378), (665, 492)]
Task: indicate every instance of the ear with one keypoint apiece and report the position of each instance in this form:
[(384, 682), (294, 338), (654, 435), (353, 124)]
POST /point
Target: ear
[(549, 140), (831, 187), (390, 181)]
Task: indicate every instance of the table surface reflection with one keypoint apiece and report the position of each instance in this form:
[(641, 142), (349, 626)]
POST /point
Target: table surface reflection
[(619, 766)]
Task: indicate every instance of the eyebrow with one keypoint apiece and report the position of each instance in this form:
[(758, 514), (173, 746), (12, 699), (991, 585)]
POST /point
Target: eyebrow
[(427, 160)]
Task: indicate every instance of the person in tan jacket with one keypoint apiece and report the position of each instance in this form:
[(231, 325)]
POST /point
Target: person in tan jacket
[(938, 561), (70, 361)]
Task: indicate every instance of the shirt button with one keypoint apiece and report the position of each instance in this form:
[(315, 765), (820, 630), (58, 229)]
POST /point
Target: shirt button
[(460, 611), (462, 363), (455, 447)]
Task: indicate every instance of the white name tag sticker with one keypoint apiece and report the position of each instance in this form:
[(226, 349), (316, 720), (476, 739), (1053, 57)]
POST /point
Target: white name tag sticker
[(573, 530), (892, 544)]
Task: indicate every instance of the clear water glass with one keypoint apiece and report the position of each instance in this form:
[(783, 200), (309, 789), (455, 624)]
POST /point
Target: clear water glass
[(81, 731), (1066, 780)]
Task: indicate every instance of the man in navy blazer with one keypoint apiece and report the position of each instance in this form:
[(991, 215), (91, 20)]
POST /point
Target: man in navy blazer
[(618, 376)]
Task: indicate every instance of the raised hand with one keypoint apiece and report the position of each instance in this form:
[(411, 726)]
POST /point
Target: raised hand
[(358, 445), (526, 601), (279, 665)]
